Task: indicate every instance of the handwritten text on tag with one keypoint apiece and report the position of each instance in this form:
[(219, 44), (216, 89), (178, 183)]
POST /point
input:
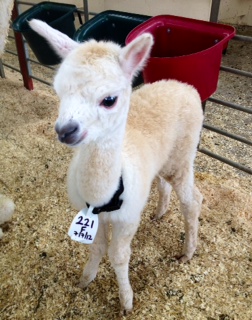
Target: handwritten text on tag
[(84, 226)]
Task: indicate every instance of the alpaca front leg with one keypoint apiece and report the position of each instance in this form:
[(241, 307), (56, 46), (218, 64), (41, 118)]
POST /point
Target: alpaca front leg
[(119, 255), (164, 189), (96, 251)]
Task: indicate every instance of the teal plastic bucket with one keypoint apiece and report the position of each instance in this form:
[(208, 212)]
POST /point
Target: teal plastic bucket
[(111, 26), (59, 16)]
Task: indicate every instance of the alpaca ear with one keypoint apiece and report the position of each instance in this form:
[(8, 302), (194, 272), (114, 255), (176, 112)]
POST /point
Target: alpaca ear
[(134, 56), (60, 42)]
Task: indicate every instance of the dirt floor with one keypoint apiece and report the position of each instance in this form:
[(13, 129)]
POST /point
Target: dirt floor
[(40, 265)]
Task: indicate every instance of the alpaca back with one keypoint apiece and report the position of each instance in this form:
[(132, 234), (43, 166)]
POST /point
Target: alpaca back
[(166, 118)]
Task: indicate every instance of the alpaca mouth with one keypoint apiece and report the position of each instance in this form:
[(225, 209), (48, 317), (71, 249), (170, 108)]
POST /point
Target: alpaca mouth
[(77, 142)]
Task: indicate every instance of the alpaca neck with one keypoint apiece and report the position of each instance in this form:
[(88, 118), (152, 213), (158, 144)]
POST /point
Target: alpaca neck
[(100, 169)]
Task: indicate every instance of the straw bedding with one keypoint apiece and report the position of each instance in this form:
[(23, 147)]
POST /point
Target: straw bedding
[(40, 265)]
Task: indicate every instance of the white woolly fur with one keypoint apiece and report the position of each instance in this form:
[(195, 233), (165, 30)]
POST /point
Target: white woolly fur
[(152, 132)]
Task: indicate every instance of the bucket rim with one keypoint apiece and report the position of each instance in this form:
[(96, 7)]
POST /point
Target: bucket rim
[(19, 26), (105, 16), (226, 31), (223, 31)]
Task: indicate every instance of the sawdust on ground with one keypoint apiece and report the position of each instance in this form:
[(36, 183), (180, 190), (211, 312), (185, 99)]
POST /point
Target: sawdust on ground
[(40, 265)]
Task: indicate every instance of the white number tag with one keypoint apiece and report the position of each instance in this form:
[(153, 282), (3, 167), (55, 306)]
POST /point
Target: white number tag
[(84, 226)]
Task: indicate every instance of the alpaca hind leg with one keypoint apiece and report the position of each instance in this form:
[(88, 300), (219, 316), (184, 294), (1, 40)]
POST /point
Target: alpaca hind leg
[(190, 202), (164, 189), (97, 250), (119, 255)]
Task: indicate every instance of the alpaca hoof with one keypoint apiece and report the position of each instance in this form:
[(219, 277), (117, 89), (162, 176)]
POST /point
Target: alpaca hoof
[(183, 258), (82, 285), (126, 301), (157, 216), (125, 312), (84, 282)]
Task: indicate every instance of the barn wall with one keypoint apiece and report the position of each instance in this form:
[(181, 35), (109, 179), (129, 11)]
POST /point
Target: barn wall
[(193, 9), (236, 11), (231, 11)]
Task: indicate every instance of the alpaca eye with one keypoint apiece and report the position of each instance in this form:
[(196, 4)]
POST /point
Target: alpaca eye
[(108, 102)]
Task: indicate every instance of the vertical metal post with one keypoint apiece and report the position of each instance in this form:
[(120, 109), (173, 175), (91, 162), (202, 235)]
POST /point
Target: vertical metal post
[(28, 83), (203, 104), (2, 74), (86, 12), (215, 10)]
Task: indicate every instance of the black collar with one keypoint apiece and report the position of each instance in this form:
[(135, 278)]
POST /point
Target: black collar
[(114, 204)]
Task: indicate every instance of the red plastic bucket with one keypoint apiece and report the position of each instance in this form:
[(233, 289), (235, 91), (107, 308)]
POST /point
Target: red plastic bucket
[(185, 49)]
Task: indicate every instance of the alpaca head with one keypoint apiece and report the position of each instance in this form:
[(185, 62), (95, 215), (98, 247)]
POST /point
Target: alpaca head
[(93, 84)]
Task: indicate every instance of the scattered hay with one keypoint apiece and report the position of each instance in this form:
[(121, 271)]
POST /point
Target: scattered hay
[(40, 265)]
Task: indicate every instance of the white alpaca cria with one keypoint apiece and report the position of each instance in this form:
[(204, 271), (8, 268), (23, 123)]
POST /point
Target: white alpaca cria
[(153, 132), (7, 208)]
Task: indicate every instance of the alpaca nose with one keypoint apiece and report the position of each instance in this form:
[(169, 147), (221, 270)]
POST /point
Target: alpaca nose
[(67, 133)]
